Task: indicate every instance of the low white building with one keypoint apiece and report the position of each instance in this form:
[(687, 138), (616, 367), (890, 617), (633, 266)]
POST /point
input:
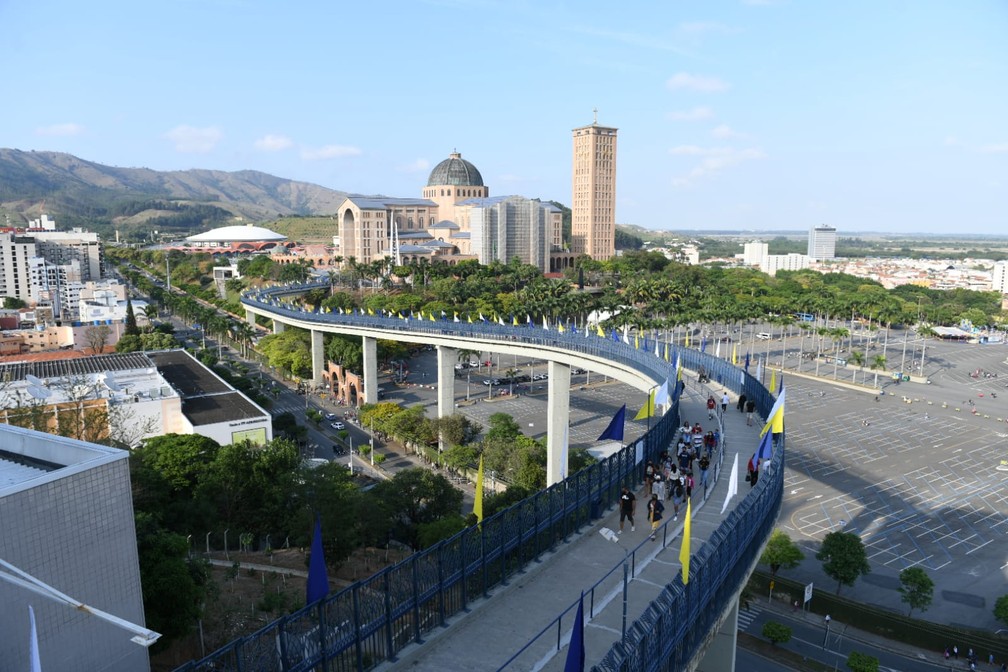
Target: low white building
[(144, 395), (772, 263)]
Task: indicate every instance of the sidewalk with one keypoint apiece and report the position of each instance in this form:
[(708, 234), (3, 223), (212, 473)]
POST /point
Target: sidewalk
[(495, 629), (925, 656)]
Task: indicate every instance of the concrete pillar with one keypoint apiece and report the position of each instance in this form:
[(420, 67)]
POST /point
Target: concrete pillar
[(278, 327), (317, 356), (250, 317), (370, 347), (557, 420), (720, 655), (447, 358)]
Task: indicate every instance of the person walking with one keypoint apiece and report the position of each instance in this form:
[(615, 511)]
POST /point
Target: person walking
[(678, 495), (750, 408), (724, 402), (711, 406), (628, 505), (655, 510), (741, 403)]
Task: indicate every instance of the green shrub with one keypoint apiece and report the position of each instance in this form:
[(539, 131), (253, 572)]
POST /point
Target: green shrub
[(777, 633), (862, 662)]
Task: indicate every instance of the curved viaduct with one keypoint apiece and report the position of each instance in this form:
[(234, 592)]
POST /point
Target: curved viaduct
[(376, 618)]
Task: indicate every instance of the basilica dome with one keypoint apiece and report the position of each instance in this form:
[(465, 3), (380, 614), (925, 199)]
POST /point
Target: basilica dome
[(455, 171)]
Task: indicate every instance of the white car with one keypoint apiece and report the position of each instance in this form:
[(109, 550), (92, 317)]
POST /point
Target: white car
[(338, 425)]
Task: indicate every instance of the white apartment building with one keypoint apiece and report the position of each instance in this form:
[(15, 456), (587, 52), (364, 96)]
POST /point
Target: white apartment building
[(822, 243), (62, 247), (508, 227), (754, 252), (784, 262), (999, 278)]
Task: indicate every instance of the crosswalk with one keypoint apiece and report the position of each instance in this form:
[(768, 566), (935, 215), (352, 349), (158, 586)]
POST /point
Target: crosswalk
[(747, 615)]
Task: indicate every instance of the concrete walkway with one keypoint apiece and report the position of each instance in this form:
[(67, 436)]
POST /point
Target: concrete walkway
[(495, 629)]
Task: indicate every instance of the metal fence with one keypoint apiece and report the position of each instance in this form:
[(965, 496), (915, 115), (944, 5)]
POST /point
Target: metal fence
[(374, 619)]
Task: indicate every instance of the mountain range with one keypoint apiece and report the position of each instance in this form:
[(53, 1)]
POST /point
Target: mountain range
[(134, 201)]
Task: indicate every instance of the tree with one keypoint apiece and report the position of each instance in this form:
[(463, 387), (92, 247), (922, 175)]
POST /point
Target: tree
[(1001, 609), (97, 338), (862, 662), (174, 585), (131, 322), (916, 589), (844, 558), (777, 633), (13, 303), (781, 553), (417, 497)]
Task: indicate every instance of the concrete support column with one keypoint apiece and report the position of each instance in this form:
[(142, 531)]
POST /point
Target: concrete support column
[(250, 317), (557, 420), (447, 358), (720, 655), (278, 327), (370, 348), (317, 356)]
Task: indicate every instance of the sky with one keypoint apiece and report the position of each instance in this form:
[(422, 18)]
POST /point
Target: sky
[(732, 115)]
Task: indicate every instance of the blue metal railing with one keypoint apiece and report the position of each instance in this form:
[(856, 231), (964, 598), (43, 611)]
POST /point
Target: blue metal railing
[(374, 619)]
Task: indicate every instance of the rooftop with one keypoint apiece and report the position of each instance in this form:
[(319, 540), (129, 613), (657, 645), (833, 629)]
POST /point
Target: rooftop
[(455, 171), (31, 458)]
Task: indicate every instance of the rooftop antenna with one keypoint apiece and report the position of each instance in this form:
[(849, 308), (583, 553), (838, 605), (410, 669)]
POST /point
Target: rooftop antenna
[(595, 113)]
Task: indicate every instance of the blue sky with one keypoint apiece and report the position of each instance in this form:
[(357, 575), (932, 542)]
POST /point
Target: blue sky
[(757, 115)]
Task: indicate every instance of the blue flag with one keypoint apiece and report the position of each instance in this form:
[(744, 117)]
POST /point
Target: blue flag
[(318, 580), (615, 335), (703, 344), (576, 650), (765, 450), (615, 429), (747, 362)]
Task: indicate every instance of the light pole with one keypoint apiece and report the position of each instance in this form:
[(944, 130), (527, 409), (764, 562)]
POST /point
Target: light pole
[(826, 636), (611, 536)]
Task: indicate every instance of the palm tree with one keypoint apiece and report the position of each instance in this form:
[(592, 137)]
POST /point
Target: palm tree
[(925, 331), (857, 358), (150, 311), (878, 363)]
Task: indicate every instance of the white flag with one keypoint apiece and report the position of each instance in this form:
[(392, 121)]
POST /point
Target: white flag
[(34, 664), (732, 484)]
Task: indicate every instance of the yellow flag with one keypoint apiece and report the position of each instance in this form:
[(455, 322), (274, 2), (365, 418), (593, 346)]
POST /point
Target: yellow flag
[(370, 311), (478, 502), (687, 339), (598, 330), (647, 410), (666, 352), (470, 319), (514, 321), (560, 328), (773, 380), (734, 354), (684, 553), (636, 341), (775, 418)]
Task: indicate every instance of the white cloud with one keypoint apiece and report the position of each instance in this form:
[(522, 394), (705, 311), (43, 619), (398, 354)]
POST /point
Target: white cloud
[(60, 130), (999, 148), (328, 152), (684, 80), (696, 114), (713, 160), (725, 132), (191, 140), (273, 143), (418, 166)]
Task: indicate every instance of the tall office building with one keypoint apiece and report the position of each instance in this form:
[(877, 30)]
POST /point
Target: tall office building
[(593, 201), (822, 243), (999, 279)]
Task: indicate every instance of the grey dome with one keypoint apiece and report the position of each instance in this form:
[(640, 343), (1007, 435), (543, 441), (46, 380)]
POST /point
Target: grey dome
[(455, 171)]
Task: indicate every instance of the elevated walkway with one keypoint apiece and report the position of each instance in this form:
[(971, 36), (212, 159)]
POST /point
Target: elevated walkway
[(495, 629)]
